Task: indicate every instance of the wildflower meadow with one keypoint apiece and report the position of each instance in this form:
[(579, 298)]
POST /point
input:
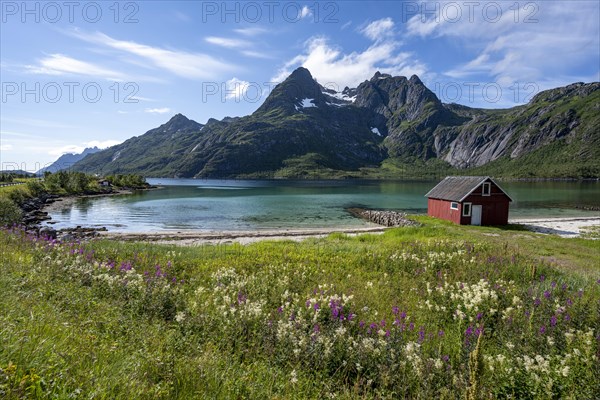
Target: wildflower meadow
[(438, 311)]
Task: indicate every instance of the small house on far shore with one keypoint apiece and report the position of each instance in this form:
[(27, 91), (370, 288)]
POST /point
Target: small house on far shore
[(469, 200)]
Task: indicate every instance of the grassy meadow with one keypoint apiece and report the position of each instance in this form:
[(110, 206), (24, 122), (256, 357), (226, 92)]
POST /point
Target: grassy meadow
[(439, 311)]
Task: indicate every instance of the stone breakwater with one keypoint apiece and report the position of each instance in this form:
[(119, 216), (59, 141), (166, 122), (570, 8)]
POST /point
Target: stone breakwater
[(382, 217)]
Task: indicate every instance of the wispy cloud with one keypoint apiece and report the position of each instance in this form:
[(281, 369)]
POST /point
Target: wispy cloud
[(6, 147), (379, 30), (539, 43), (162, 110), (36, 122), (244, 46), (229, 43), (257, 54), (58, 64), (185, 64), (251, 31)]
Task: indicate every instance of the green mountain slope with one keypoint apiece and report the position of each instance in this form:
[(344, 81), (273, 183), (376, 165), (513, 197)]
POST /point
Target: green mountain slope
[(386, 125)]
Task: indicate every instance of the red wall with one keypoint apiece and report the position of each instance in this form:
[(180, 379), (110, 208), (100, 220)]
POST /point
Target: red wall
[(441, 209), (494, 210)]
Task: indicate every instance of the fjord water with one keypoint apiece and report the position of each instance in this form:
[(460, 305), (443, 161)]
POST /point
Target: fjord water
[(249, 205)]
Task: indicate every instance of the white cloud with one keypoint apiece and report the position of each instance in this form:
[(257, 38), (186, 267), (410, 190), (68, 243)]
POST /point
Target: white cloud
[(305, 12), (181, 63), (251, 31), (256, 54), (162, 110), (6, 147), (540, 42), (236, 89), (329, 65), (229, 43), (58, 64), (379, 30)]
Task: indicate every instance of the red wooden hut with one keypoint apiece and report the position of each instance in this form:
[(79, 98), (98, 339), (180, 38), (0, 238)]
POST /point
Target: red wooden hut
[(469, 200)]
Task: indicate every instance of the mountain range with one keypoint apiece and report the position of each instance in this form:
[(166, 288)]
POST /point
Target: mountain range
[(386, 127), (67, 160)]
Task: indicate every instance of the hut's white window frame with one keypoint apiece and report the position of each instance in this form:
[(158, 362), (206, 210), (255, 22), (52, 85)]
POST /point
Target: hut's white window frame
[(454, 205), (487, 192), (466, 211)]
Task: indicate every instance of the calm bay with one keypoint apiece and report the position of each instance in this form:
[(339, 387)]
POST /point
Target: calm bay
[(250, 205)]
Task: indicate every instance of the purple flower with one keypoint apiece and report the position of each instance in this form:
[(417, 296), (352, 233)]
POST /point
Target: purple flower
[(553, 284), (569, 302), (316, 328), (280, 309), (411, 326), (403, 315), (307, 303), (567, 317), (441, 333), (316, 306), (421, 334), (395, 309), (547, 294), (537, 302), (361, 324), (542, 278), (469, 331), (553, 320), (479, 316), (542, 329)]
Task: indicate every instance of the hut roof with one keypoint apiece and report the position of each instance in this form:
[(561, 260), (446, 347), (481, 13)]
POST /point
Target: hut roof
[(457, 188)]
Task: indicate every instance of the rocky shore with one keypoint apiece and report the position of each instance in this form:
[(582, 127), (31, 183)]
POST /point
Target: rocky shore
[(35, 214), (383, 217)]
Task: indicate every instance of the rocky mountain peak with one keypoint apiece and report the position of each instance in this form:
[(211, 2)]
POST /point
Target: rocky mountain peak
[(299, 90), (179, 122)]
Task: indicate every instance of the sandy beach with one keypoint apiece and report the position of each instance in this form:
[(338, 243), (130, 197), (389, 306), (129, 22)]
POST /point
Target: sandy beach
[(195, 238), (564, 227)]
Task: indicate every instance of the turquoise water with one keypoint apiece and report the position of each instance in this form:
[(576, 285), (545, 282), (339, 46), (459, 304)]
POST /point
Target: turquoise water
[(246, 205)]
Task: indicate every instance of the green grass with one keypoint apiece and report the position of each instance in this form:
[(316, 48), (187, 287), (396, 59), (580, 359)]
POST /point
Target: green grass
[(106, 320)]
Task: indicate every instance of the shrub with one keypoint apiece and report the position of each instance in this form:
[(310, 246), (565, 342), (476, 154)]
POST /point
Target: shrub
[(36, 188), (10, 213)]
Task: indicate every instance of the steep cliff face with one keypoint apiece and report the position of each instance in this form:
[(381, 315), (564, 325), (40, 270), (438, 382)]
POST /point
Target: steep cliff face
[(305, 126), (568, 115)]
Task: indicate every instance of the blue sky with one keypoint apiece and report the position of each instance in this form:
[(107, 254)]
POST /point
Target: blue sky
[(77, 74)]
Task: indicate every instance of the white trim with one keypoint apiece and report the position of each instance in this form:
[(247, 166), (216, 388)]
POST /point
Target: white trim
[(452, 207), (483, 180), (489, 185), (470, 207)]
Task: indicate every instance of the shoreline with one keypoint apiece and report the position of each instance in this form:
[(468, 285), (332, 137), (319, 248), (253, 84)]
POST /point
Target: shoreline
[(561, 226), (192, 238)]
